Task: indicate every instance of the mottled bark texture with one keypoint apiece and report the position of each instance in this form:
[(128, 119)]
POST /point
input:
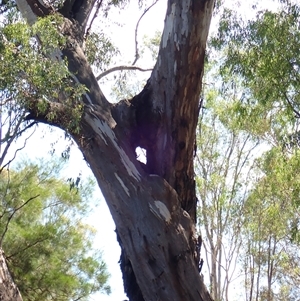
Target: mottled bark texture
[(153, 205), (8, 289)]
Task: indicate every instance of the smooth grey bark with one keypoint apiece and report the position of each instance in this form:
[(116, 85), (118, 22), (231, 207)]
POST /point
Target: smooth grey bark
[(8, 289), (153, 206)]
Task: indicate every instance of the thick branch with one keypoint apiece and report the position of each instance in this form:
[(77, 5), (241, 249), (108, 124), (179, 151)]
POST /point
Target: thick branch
[(83, 12), (156, 233), (179, 71), (32, 9), (80, 11), (55, 114)]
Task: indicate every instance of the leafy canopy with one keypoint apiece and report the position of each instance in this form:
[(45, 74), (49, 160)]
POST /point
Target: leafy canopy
[(48, 247), (263, 54)]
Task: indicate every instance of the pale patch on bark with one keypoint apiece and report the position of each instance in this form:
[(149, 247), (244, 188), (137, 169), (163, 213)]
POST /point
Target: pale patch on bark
[(131, 169), (26, 11), (161, 211), (159, 61), (95, 124), (122, 184), (80, 53), (168, 26), (184, 16), (8, 289), (102, 128), (170, 21)]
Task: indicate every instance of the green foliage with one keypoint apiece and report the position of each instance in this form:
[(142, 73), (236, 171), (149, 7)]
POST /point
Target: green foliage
[(48, 33), (26, 63), (99, 50), (28, 70), (263, 54), (48, 247), (224, 168), (255, 69), (123, 3), (152, 44), (272, 212)]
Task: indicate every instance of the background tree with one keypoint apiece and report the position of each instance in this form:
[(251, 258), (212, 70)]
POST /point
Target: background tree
[(225, 156), (261, 54), (271, 257), (47, 246)]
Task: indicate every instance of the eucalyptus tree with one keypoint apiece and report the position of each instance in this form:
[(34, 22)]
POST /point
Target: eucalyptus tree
[(224, 167), (153, 205), (263, 53), (271, 229)]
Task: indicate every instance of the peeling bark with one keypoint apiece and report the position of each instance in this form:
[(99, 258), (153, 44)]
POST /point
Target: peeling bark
[(176, 85), (8, 289), (153, 206)]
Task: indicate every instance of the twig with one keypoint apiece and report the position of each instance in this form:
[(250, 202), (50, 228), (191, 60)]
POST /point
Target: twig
[(11, 138), (11, 216), (137, 56), (93, 19), (292, 107), (19, 149), (120, 68), (27, 247)]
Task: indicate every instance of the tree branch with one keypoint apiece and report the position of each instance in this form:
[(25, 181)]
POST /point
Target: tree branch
[(12, 137), (11, 216), (34, 9), (179, 67), (93, 19), (7, 137), (137, 56), (121, 68), (11, 140), (74, 9), (297, 114), (27, 247), (53, 113), (81, 10), (15, 154)]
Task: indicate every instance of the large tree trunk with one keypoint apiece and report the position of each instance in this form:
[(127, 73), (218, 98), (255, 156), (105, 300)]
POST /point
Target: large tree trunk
[(8, 289), (153, 205)]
